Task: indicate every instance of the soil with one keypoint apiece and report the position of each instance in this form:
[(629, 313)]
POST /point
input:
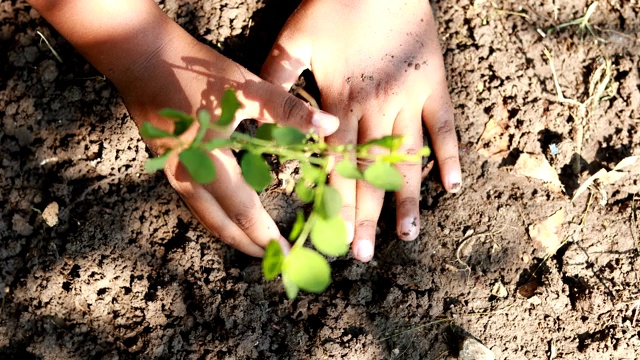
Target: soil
[(127, 273)]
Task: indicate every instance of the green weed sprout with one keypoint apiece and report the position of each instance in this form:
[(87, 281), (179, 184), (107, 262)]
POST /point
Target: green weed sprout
[(303, 268)]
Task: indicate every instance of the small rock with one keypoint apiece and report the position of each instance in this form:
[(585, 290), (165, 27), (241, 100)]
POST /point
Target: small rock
[(499, 290), (50, 214), (534, 300), (528, 290), (473, 349)]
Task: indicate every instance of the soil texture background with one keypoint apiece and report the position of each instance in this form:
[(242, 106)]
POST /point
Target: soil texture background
[(128, 273)]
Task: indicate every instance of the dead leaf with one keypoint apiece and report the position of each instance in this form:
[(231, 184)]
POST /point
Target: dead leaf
[(605, 177), (536, 166), (546, 234), (50, 214), (495, 139), (626, 162)]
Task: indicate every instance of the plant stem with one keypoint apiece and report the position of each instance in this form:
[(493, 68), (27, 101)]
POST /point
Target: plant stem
[(304, 234), (266, 147)]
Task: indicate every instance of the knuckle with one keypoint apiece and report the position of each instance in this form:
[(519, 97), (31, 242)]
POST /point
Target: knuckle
[(348, 210), (292, 109), (408, 203), (445, 127), (245, 219), (366, 223)]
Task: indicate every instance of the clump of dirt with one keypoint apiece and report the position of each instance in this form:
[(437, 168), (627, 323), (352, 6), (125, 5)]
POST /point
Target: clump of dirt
[(128, 273)]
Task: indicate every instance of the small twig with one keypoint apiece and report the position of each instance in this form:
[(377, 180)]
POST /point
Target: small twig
[(586, 210), (634, 223), (55, 53), (561, 97), (507, 12)]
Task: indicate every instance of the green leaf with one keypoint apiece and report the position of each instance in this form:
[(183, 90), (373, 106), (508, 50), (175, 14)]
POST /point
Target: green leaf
[(149, 131), (198, 164), (216, 143), (204, 118), (329, 236), (272, 261), (348, 169), (265, 131), (305, 192), (391, 142), (307, 269), (384, 176), (290, 287), (156, 163), (181, 119), (286, 135), (313, 174), (229, 105), (255, 171), (330, 203), (425, 151), (297, 226)]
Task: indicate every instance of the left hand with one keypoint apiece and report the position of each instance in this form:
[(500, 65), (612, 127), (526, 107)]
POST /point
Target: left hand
[(379, 68)]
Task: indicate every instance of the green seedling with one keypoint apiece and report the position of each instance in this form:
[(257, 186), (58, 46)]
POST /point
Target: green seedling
[(302, 268), (582, 22)]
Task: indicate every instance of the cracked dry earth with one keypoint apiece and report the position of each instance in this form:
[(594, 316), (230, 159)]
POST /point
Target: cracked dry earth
[(127, 273)]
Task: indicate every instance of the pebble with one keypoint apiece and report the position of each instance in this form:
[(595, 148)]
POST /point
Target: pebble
[(473, 349), (50, 214)]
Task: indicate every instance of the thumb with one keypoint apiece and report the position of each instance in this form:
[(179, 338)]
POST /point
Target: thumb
[(288, 58), (269, 103)]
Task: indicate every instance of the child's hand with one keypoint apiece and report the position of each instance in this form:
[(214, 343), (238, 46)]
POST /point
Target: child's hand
[(192, 79), (155, 64), (379, 68)]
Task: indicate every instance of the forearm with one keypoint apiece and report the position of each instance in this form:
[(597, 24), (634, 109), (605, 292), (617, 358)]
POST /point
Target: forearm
[(121, 38)]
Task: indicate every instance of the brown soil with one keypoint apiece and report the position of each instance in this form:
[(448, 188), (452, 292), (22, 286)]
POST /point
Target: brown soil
[(128, 273)]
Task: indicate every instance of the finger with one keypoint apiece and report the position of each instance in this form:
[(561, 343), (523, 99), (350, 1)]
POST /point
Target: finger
[(407, 198), (347, 134), (208, 211), (242, 205), (269, 103), (288, 58), (438, 117), (369, 199)]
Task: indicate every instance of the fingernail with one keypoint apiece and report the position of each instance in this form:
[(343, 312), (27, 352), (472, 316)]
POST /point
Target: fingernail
[(284, 245), (455, 182), (324, 121), (364, 250), (350, 232), (409, 228)]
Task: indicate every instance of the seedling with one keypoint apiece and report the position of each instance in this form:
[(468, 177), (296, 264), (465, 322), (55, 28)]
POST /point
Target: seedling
[(582, 22), (303, 268)]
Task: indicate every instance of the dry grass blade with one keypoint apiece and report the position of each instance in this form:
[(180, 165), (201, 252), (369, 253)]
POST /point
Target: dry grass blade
[(53, 51), (561, 97), (634, 223)]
